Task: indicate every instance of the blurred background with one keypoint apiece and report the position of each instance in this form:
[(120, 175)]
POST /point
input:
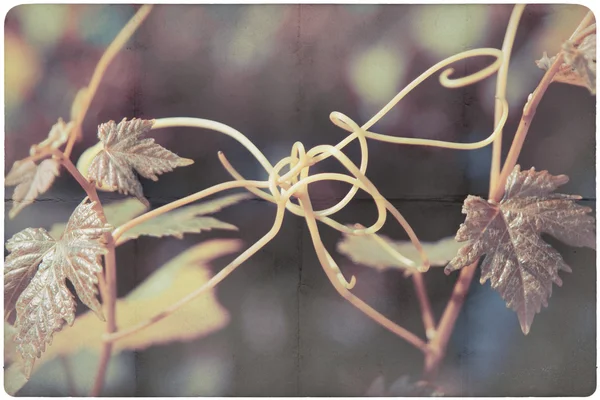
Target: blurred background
[(276, 72)]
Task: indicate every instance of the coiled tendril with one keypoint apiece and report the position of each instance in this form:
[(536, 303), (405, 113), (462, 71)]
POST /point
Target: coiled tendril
[(290, 177)]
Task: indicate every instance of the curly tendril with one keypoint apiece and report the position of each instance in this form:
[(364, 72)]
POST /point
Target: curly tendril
[(290, 178)]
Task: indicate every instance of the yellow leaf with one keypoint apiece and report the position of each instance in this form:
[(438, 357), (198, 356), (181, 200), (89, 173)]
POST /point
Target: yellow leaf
[(380, 252), (14, 376), (171, 282)]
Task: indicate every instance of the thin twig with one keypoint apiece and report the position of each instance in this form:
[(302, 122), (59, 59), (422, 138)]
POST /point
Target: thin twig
[(501, 81), (445, 328), (424, 303)]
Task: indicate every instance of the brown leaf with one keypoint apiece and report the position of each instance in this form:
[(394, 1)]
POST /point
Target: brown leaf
[(380, 252), (46, 301), (31, 181), (27, 248), (125, 151), (41, 309), (180, 276), (185, 220), (116, 213), (519, 264)]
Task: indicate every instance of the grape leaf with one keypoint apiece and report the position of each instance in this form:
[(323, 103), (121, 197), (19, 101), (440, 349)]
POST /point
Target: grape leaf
[(116, 213), (45, 301), (519, 264), (124, 151), (31, 181), (579, 67), (185, 220), (380, 252), (178, 277), (27, 248)]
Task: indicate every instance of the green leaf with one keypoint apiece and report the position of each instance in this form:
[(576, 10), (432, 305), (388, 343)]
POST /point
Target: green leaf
[(188, 219)]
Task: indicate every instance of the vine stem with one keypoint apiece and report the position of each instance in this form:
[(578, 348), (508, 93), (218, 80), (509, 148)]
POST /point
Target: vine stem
[(89, 188), (425, 304), (92, 194), (110, 53), (507, 44), (106, 284), (529, 112), (110, 265), (446, 327)]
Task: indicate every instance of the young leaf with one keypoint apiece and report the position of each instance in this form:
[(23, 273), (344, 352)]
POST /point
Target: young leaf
[(579, 67), (124, 151), (31, 181), (116, 214), (185, 220), (45, 302), (566, 74), (380, 252), (180, 276), (58, 135), (582, 59), (519, 264)]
